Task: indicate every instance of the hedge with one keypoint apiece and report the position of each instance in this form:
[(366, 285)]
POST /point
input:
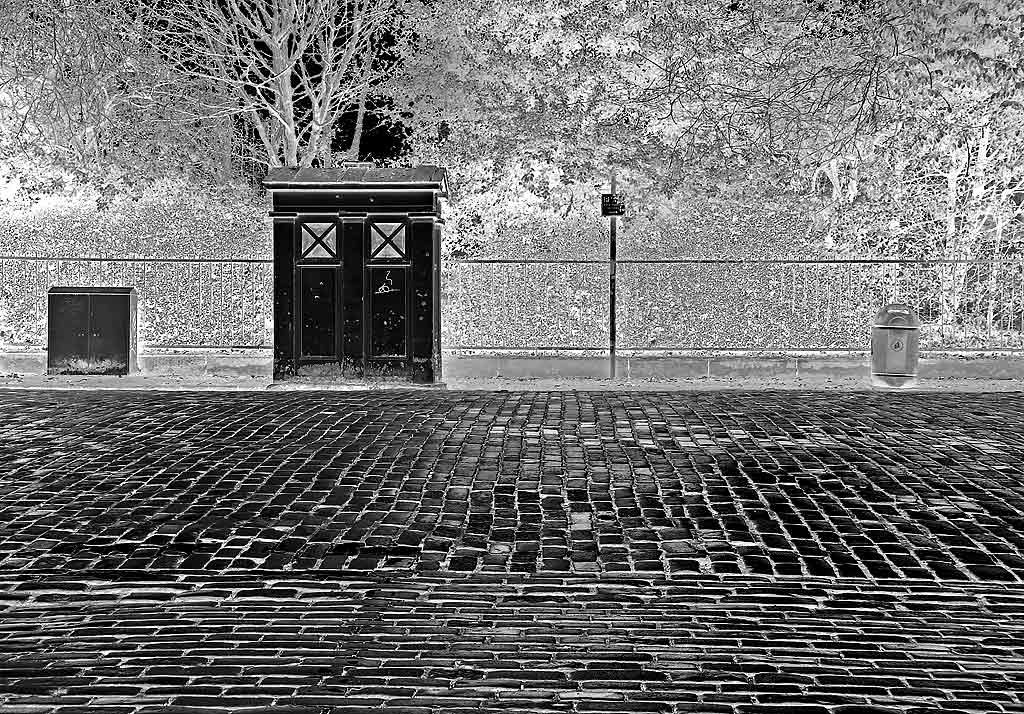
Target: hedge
[(179, 304), (224, 303), (211, 304), (170, 219)]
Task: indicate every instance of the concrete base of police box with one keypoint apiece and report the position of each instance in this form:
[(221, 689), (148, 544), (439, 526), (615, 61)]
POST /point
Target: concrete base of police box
[(652, 366)]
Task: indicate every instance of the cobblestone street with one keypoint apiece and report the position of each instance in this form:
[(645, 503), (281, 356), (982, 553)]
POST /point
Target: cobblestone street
[(429, 552)]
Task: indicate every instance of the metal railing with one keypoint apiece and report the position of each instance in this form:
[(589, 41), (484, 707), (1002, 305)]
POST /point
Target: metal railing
[(726, 304), (563, 305), (182, 302)]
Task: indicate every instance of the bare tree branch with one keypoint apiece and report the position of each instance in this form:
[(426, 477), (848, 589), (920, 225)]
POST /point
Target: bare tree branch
[(289, 67)]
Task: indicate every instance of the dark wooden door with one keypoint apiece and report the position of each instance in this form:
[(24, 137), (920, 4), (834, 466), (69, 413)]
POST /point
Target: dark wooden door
[(318, 309), (388, 318), (108, 333), (67, 340), (89, 331)]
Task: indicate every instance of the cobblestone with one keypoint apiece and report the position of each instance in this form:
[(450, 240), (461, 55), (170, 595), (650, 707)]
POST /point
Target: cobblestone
[(851, 485), (426, 552), (380, 642)]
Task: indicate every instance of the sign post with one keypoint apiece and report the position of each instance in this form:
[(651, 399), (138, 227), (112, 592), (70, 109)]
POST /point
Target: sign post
[(612, 204)]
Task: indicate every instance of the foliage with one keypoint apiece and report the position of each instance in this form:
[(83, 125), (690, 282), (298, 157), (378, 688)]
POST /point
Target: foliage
[(655, 86), (946, 180), (524, 209), (171, 218), (80, 99), (531, 209), (712, 118), (738, 224)]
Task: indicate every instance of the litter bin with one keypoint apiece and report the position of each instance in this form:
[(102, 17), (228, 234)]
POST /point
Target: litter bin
[(894, 346)]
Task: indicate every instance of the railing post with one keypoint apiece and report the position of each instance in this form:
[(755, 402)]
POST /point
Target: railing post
[(611, 292)]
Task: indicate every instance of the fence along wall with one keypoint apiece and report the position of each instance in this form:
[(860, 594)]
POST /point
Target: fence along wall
[(492, 306), (725, 305), (188, 310), (510, 305), (536, 304)]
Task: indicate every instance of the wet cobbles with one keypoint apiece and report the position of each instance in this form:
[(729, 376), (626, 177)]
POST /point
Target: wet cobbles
[(855, 485), (317, 643), (428, 553)]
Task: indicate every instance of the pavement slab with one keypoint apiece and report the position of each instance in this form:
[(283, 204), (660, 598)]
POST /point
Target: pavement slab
[(783, 382), (425, 551)]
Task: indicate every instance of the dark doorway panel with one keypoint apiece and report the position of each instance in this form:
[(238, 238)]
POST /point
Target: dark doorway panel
[(110, 321), (67, 331), (91, 330), (388, 325), (319, 312)]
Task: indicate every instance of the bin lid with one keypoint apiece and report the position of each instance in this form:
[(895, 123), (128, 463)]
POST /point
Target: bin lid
[(897, 314)]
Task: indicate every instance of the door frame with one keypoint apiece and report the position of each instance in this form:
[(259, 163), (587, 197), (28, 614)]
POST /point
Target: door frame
[(403, 363), (318, 359), (300, 264)]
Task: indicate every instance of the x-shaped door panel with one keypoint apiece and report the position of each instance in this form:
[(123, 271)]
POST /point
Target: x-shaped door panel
[(319, 240), (387, 240)]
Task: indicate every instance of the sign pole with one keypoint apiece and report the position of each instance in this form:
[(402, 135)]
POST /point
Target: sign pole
[(611, 291)]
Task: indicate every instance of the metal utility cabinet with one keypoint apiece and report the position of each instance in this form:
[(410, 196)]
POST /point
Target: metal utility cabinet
[(357, 271), (91, 330)]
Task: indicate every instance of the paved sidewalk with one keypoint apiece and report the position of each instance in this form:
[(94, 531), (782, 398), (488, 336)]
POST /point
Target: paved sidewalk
[(787, 383), (211, 383), (446, 551), (132, 382)]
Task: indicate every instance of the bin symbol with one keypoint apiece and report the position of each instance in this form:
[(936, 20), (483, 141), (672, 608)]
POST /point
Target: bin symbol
[(894, 346)]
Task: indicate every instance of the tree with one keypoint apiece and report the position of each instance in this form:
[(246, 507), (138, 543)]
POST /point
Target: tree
[(84, 100), (680, 98), (671, 84), (946, 179), (291, 68)]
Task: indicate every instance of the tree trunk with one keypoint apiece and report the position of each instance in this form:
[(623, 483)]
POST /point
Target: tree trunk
[(266, 136), (952, 274), (326, 157), (286, 107), (228, 149), (291, 147), (994, 275), (357, 136)]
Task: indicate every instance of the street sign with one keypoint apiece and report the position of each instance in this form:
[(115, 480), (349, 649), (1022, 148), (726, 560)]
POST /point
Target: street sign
[(613, 204)]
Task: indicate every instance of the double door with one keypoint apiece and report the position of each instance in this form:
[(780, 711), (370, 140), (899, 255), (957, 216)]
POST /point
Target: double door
[(89, 330), (352, 314)]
